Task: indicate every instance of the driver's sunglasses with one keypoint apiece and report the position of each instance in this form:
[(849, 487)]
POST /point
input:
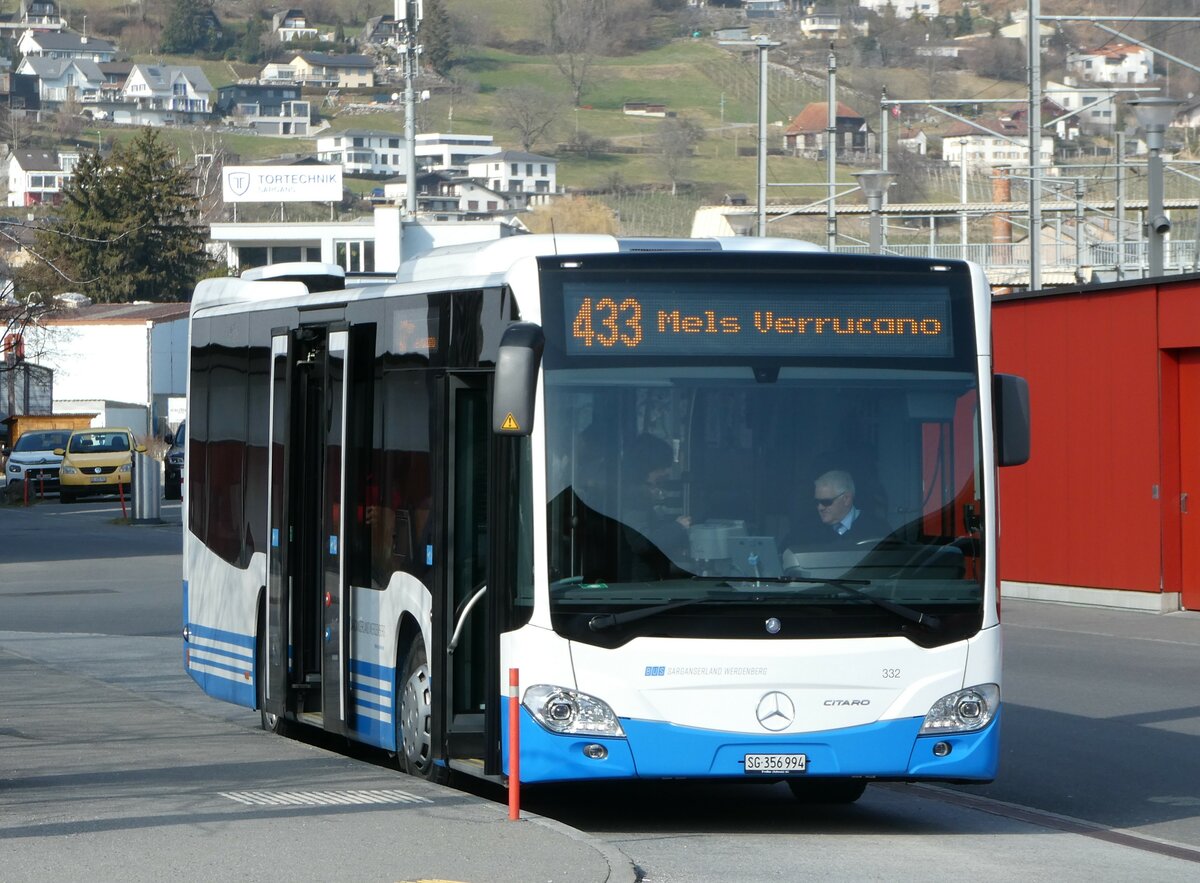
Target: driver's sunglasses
[(826, 502)]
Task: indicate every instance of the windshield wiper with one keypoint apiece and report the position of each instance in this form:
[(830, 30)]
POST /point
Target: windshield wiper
[(602, 621), (926, 620), (850, 587)]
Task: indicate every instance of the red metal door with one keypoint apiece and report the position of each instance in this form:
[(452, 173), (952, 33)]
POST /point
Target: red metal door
[(1189, 475)]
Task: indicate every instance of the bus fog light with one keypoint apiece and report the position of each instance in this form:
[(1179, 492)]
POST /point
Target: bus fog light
[(963, 711), (595, 751), (941, 749), (562, 710)]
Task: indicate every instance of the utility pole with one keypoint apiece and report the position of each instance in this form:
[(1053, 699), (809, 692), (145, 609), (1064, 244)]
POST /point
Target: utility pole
[(763, 44), (1035, 145), (410, 12), (831, 155)]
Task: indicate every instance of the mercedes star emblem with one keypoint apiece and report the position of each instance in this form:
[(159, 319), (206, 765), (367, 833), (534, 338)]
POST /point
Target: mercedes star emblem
[(775, 711)]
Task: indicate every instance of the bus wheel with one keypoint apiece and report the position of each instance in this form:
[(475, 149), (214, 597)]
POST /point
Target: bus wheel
[(414, 739), (827, 790)]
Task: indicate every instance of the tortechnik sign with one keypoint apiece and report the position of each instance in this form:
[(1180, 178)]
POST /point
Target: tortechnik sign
[(282, 183)]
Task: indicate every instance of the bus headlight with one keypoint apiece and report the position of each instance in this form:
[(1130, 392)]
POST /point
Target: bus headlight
[(125, 468), (69, 470), (963, 711), (565, 711)]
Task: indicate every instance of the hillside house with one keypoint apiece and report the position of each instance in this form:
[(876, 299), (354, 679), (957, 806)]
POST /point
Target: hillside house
[(913, 140), (291, 24), (65, 44), (178, 89), (361, 152), (323, 70), (821, 22), (1097, 111), (807, 133), (39, 15), (1006, 143), (63, 79), (37, 177), (516, 172), (267, 109), (1116, 63), (446, 152), (904, 8), (380, 29)]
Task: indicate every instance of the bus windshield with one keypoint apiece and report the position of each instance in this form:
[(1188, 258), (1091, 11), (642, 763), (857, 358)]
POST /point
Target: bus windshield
[(701, 491)]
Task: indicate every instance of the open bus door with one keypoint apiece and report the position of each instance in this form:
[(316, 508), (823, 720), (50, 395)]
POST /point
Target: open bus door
[(307, 607), (466, 635)]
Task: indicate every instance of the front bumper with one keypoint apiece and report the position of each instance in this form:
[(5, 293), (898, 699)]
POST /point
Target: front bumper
[(887, 750)]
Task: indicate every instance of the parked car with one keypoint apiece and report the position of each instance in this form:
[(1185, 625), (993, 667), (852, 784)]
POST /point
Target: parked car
[(173, 472), (96, 461), (33, 458)]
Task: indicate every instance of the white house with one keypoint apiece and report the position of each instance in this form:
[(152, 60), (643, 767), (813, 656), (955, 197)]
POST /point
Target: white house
[(476, 199), (515, 171), (904, 8), (1097, 109), (169, 87), (323, 70), (65, 44), (291, 24), (1007, 143), (445, 152), (914, 141), (1117, 63), (64, 79), (37, 176), (361, 152), (821, 22), (39, 15), (132, 353)]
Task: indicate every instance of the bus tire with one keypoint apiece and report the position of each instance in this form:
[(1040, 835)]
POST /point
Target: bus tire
[(414, 738), (842, 791)]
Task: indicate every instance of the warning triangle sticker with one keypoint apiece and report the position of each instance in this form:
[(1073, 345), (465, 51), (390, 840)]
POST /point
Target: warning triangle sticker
[(510, 423)]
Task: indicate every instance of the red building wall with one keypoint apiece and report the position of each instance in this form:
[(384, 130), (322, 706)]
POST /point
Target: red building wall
[(1083, 511)]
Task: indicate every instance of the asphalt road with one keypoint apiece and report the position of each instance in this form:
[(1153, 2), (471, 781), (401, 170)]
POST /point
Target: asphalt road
[(1100, 776)]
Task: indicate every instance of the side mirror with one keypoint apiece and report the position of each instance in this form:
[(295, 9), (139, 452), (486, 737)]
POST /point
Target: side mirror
[(1010, 395), (141, 449), (169, 439), (515, 389), (58, 452)]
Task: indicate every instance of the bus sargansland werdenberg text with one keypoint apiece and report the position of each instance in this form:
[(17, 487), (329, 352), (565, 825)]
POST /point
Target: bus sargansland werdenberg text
[(727, 506)]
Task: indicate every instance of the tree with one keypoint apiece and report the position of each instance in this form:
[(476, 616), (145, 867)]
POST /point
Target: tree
[(578, 33), (189, 28), (127, 229), (436, 36), (573, 214), (676, 138), (528, 111)]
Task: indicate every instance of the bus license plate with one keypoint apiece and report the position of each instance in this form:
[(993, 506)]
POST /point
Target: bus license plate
[(776, 763)]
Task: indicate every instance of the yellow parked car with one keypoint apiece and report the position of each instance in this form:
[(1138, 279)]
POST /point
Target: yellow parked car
[(96, 461)]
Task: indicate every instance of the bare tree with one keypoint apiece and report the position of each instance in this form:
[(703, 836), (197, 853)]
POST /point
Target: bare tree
[(578, 33), (676, 138), (528, 111)]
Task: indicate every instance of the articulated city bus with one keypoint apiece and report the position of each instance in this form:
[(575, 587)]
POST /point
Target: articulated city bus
[(619, 467)]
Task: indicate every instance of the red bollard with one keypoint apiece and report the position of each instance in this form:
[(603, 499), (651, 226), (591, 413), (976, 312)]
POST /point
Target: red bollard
[(514, 745), (25, 490), (121, 494)]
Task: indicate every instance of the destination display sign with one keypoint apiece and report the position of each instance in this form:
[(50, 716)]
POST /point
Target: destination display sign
[(604, 319)]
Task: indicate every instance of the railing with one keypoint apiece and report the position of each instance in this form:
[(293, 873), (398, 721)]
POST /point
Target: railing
[(1179, 255)]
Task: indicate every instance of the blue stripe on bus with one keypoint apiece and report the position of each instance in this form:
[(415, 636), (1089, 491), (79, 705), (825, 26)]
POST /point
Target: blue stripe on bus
[(359, 687), (370, 669), (227, 637), (654, 750)]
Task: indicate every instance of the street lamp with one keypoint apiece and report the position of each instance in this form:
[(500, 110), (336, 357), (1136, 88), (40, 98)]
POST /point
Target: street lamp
[(874, 185), (1153, 115)]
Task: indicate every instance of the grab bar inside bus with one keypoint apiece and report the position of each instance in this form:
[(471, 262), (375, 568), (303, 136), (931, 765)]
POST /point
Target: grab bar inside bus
[(462, 620)]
